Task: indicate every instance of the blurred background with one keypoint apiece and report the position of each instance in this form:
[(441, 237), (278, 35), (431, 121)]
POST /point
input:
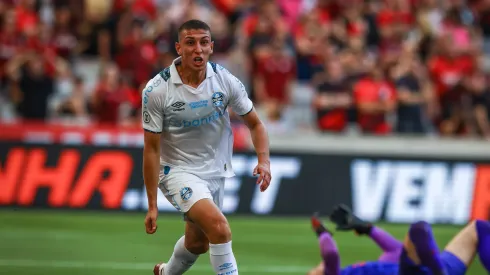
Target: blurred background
[(380, 104), (378, 67)]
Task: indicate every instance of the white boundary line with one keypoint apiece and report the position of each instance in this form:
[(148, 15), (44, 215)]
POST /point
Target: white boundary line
[(141, 266)]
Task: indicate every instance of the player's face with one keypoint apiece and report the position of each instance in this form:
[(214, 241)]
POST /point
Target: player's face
[(195, 47)]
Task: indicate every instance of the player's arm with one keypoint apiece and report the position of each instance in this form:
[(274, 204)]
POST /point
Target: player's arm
[(151, 166), (259, 135), (260, 141), (152, 116), (243, 106)]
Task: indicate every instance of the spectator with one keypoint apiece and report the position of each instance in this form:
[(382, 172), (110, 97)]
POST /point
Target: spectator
[(260, 26), (415, 96), (75, 105), (482, 14), (224, 41), (447, 68), (311, 32), (64, 39), (354, 64), (10, 43), (26, 16), (333, 97), (32, 85), (375, 99), (10, 46), (275, 74), (137, 55), (457, 30), (456, 110), (480, 100), (110, 96)]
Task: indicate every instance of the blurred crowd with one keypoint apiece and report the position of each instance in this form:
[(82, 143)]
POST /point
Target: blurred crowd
[(376, 67)]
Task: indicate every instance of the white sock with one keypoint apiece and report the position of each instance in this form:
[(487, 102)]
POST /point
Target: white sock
[(222, 259), (181, 259)]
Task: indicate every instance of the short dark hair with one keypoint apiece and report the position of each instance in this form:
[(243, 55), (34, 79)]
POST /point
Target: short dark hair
[(194, 24)]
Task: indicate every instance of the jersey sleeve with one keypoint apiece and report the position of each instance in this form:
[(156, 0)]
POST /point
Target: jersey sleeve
[(152, 105), (239, 101)]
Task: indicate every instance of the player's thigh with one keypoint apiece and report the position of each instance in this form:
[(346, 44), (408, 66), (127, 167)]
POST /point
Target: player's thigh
[(464, 244), (183, 190), (195, 239), (411, 252), (217, 188), (318, 270), (206, 214)]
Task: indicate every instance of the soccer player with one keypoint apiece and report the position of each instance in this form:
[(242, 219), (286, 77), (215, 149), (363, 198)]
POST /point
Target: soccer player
[(419, 253), (188, 147), (342, 216)]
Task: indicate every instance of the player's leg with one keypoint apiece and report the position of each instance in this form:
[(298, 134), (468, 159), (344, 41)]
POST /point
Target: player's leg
[(391, 247), (186, 250), (213, 223), (483, 232), (328, 248), (475, 237), (206, 213), (343, 217), (420, 249), (194, 242)]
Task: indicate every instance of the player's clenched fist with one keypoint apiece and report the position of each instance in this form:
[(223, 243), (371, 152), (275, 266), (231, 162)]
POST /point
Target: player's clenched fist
[(264, 172), (151, 221)]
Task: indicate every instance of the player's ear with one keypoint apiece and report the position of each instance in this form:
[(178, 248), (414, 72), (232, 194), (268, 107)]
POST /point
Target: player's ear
[(178, 48)]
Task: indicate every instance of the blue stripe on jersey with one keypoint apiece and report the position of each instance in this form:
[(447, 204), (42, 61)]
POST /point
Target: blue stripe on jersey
[(213, 65), (165, 74)]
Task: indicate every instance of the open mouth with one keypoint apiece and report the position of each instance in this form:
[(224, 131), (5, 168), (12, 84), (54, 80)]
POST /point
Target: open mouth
[(198, 61)]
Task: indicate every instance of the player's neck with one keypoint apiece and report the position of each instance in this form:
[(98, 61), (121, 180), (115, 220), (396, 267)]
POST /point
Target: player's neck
[(191, 77)]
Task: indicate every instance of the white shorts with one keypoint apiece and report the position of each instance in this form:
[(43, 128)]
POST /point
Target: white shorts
[(183, 189)]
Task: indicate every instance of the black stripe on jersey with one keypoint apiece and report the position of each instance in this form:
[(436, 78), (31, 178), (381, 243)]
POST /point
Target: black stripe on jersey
[(165, 74), (150, 131), (213, 65), (248, 112)]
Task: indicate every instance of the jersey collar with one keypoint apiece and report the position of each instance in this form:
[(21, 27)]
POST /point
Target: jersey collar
[(174, 74)]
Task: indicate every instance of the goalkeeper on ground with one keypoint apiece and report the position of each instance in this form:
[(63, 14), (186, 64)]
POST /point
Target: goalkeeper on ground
[(417, 255)]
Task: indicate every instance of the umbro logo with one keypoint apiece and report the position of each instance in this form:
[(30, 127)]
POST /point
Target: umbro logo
[(178, 106)]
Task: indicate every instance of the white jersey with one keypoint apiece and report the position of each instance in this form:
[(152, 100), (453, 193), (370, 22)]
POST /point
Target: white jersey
[(196, 133)]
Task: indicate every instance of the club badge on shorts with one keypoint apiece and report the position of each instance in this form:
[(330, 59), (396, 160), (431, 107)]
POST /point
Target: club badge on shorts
[(186, 193)]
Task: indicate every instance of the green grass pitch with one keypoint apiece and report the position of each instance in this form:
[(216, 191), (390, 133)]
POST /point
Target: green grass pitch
[(66, 242)]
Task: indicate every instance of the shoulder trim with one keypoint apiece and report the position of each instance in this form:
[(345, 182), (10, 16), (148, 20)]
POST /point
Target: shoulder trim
[(165, 74), (213, 65)]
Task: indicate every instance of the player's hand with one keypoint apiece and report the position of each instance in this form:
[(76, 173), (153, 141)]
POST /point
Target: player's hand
[(264, 172), (342, 217), (151, 221), (345, 220)]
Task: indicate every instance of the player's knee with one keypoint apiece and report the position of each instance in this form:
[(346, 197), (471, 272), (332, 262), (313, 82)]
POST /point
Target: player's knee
[(479, 227), (220, 233), (473, 223), (197, 246), (330, 254), (420, 226)]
